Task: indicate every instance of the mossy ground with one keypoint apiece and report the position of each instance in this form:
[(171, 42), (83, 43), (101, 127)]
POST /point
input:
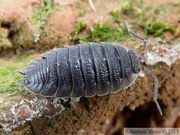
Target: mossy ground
[(41, 14), (9, 77)]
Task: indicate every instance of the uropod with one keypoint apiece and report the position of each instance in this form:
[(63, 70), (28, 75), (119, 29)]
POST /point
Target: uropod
[(86, 70)]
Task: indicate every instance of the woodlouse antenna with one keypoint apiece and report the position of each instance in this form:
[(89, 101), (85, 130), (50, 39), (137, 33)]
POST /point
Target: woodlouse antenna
[(155, 87), (138, 36), (142, 68)]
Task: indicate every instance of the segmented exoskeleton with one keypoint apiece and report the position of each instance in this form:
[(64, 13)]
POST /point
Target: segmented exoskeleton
[(86, 70)]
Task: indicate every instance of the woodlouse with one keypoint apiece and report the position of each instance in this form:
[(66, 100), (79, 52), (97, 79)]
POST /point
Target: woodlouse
[(86, 70)]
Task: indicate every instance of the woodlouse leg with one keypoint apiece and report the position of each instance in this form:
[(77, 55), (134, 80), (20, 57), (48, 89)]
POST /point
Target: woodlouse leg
[(155, 87), (138, 36)]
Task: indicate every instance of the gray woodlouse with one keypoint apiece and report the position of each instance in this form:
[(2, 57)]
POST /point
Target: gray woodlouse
[(86, 70)]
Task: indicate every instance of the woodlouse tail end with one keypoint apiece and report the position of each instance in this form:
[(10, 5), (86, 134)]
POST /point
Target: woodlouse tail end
[(21, 72)]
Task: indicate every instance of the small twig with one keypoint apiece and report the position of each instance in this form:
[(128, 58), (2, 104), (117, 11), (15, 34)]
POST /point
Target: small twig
[(92, 5)]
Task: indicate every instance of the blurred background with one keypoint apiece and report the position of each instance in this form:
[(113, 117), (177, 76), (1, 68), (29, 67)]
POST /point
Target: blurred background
[(29, 28)]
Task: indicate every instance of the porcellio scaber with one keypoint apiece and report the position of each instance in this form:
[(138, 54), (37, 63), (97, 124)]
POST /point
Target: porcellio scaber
[(86, 70)]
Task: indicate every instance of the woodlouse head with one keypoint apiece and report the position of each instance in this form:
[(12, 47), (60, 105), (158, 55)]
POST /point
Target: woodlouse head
[(26, 79), (33, 78)]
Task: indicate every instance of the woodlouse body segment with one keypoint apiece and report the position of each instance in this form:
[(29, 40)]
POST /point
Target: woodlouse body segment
[(85, 70), (87, 64), (63, 69)]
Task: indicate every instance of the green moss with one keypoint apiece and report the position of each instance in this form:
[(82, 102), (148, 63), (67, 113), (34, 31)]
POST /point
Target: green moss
[(77, 36), (99, 32), (104, 32), (80, 26), (42, 13), (156, 27), (177, 31), (127, 7), (4, 41), (82, 13), (176, 4), (162, 8), (9, 77), (116, 16)]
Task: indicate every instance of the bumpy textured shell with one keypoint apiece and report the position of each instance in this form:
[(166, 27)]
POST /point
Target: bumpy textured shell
[(83, 70)]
